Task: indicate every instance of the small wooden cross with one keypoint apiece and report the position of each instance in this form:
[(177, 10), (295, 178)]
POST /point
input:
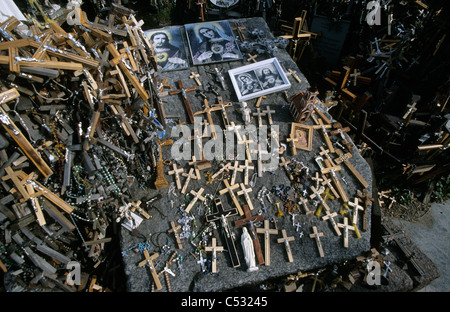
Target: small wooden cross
[(225, 167), (317, 179), (346, 227), (235, 128), (285, 240), (316, 235), (196, 169), (137, 205), (235, 169), (223, 106), (183, 91), (252, 58), (246, 167), (344, 158), (239, 29), (266, 231), (173, 229), (291, 140), (245, 192), (355, 75), (304, 202), (367, 200), (284, 164), (176, 172), (214, 249), (197, 196), (356, 207), (330, 216), (259, 114), (325, 152), (259, 100), (188, 177), (332, 169), (148, 260), (268, 112), (323, 129), (326, 181), (294, 74), (317, 194), (338, 129), (260, 163), (201, 3), (195, 77), (249, 221), (247, 146), (229, 188)]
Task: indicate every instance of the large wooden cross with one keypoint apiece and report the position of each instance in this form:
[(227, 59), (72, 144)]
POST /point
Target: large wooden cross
[(222, 216), (284, 164), (285, 240), (267, 231), (249, 221), (148, 260), (229, 188), (214, 249), (316, 235), (197, 196), (344, 158), (183, 91), (174, 229), (207, 110), (246, 168), (176, 172)]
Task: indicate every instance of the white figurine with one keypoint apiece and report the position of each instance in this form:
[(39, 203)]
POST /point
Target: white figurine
[(246, 113), (249, 253)]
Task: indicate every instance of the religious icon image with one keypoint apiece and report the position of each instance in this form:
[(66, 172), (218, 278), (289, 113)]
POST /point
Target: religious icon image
[(212, 42), (169, 49), (302, 136), (269, 77), (248, 83)]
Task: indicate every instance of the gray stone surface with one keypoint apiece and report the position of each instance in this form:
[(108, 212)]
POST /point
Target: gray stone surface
[(305, 253)]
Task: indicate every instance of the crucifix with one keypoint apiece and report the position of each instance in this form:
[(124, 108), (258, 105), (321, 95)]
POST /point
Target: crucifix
[(325, 152), (291, 140), (148, 260), (304, 202), (412, 107), (260, 163), (284, 164), (330, 216), (197, 196), (223, 108), (259, 114), (268, 112), (196, 168), (249, 221), (266, 231), (225, 167), (214, 249), (183, 91), (323, 129), (195, 77), (174, 229), (317, 193), (201, 3), (207, 110), (176, 172), (245, 192), (367, 201), (235, 169), (346, 228), (229, 188), (235, 128), (219, 77), (222, 215), (246, 168), (344, 158), (356, 207), (188, 177), (326, 181), (161, 182), (247, 146), (332, 169), (239, 29), (317, 179), (316, 235), (355, 75), (285, 240), (339, 130)]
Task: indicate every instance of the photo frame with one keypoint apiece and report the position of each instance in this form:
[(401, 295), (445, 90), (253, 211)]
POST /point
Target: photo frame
[(302, 135), (212, 42), (258, 79), (169, 48)]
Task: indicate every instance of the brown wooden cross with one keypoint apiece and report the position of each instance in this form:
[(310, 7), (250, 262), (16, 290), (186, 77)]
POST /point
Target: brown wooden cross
[(229, 188), (239, 29), (196, 169), (246, 167), (291, 140), (367, 201), (183, 91), (197, 196), (317, 179), (346, 228), (260, 163), (284, 164), (13, 176), (161, 182), (249, 221), (356, 207), (137, 206), (316, 235), (235, 169), (176, 172), (223, 106), (207, 110), (326, 181), (174, 229), (214, 249), (266, 231), (321, 126), (148, 260), (252, 58), (285, 240), (317, 194), (201, 3), (332, 170), (247, 146), (304, 202), (344, 158), (195, 77), (223, 168), (338, 129)]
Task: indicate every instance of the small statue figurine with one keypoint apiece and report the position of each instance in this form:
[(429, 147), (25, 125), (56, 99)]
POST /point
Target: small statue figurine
[(246, 113), (249, 253)]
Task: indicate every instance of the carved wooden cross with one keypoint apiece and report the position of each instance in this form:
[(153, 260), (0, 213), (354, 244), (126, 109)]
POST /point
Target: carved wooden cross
[(225, 167), (176, 172), (247, 148), (259, 114), (214, 249), (195, 77), (249, 221), (245, 192), (316, 235), (174, 229), (235, 169), (367, 201), (222, 216), (260, 163), (267, 232), (137, 206), (246, 167), (197, 196), (284, 164), (330, 216), (223, 108), (356, 207), (344, 158), (183, 91), (285, 240), (207, 110), (268, 112), (229, 188), (148, 260), (13, 176), (291, 140), (325, 152), (346, 228), (252, 58), (188, 177), (355, 75)]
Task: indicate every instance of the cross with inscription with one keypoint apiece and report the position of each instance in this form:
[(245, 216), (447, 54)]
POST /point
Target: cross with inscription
[(330, 216), (267, 231)]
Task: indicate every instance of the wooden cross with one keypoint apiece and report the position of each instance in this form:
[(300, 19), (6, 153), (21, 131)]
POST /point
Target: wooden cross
[(285, 240), (284, 164), (148, 260), (245, 192), (229, 188), (346, 227), (268, 112), (325, 152), (317, 194), (207, 110), (183, 91), (201, 3), (355, 75), (225, 167), (332, 169), (246, 167), (304, 202), (252, 58), (323, 129), (35, 202), (174, 229), (344, 158), (247, 148), (176, 172), (355, 207), (189, 176), (339, 130), (13, 176), (326, 181), (367, 200), (266, 231), (223, 108), (330, 216), (291, 140), (259, 114), (260, 163), (249, 221), (222, 215), (316, 235), (197, 196), (317, 179), (214, 249), (161, 182), (195, 77), (294, 74), (412, 108), (196, 168), (235, 168), (137, 205), (235, 128), (239, 28), (259, 100)]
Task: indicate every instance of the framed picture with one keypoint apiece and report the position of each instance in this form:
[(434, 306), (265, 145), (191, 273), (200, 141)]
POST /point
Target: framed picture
[(169, 48), (258, 79), (302, 135), (212, 42)]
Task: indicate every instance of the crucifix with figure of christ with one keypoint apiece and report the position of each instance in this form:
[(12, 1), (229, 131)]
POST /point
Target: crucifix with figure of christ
[(285, 240), (149, 261), (214, 249), (223, 106), (183, 91), (221, 215), (229, 188), (267, 231), (207, 110), (250, 221)]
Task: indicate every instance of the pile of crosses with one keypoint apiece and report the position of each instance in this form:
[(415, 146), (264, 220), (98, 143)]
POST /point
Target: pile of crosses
[(79, 119)]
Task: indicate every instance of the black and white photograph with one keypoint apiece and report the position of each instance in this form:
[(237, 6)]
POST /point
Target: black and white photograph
[(212, 42), (258, 79), (169, 48)]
